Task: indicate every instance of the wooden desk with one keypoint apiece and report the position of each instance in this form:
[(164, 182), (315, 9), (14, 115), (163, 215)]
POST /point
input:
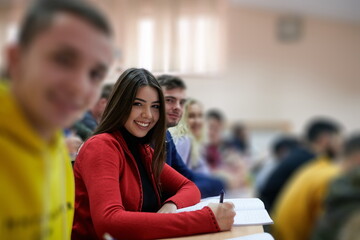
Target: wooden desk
[(236, 231)]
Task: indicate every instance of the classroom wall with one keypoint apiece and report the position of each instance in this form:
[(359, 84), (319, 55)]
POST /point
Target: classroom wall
[(268, 80), (261, 80)]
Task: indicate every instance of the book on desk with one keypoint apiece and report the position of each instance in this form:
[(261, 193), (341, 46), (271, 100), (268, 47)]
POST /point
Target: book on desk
[(249, 211), (257, 236)]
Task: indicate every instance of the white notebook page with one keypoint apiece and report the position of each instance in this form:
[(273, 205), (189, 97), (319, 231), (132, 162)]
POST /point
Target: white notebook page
[(249, 211)]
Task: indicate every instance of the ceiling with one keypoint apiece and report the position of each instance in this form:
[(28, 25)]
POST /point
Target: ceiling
[(348, 10)]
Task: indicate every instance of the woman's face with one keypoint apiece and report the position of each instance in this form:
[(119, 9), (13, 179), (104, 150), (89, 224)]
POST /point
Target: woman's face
[(195, 119), (144, 113)]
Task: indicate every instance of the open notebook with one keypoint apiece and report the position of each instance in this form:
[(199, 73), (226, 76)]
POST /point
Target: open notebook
[(249, 211), (258, 236)]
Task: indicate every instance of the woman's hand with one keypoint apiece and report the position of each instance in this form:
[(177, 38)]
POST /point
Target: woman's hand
[(168, 208), (224, 213)]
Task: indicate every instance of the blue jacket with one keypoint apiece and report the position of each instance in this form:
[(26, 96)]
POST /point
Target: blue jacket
[(208, 186)]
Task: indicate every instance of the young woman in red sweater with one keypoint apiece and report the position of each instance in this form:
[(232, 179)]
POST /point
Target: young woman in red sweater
[(123, 186)]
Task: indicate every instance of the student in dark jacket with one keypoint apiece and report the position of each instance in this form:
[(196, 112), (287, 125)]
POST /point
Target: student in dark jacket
[(174, 90), (86, 126), (321, 135)]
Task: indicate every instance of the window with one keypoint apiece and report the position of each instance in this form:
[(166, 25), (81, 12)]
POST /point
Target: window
[(175, 37), (146, 44)]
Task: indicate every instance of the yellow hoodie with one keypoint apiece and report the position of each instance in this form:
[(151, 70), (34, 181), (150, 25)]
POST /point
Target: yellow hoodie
[(36, 179), (301, 202)]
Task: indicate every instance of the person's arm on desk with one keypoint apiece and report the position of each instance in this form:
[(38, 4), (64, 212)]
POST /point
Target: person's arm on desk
[(224, 213)]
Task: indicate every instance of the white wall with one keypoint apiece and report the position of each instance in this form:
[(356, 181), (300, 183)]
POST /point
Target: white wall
[(271, 81)]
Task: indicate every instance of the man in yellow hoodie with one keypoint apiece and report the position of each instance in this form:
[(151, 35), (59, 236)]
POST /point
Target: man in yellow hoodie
[(55, 72), (301, 202)]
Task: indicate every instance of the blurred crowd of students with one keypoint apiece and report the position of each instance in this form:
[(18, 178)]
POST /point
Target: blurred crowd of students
[(198, 138), (310, 189), (295, 183), (307, 182)]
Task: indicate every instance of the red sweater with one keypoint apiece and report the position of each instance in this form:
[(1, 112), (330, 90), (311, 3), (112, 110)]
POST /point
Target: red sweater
[(108, 195)]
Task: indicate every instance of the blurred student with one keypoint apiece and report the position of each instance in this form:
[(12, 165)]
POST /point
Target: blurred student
[(321, 135), (83, 129), (213, 155), (174, 90), (301, 202), (121, 181), (342, 205), (239, 139), (87, 125), (281, 148), (189, 137), (224, 160), (189, 142), (56, 69), (73, 143)]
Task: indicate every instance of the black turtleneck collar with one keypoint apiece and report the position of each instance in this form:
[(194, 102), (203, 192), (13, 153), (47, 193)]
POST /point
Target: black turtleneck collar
[(133, 139), (150, 203)]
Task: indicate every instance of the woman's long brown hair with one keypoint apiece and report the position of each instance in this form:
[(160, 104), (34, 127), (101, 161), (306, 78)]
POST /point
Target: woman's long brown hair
[(119, 106)]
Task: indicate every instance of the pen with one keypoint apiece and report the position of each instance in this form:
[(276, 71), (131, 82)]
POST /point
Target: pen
[(222, 196)]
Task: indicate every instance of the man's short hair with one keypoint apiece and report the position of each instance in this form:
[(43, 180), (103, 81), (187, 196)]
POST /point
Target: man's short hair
[(215, 114), (352, 145), (319, 127), (171, 82), (41, 13), (284, 143), (106, 91)]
